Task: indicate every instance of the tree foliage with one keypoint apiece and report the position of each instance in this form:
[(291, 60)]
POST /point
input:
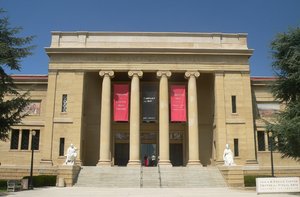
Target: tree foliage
[(286, 89), (12, 50)]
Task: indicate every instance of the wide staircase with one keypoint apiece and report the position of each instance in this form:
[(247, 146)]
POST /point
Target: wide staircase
[(150, 177)]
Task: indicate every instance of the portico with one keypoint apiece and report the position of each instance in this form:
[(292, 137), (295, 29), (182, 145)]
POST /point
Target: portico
[(163, 133)]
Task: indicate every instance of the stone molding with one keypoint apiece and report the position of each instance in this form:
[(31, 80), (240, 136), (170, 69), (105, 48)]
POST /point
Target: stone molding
[(235, 121), (33, 123), (156, 40), (62, 120), (219, 73)]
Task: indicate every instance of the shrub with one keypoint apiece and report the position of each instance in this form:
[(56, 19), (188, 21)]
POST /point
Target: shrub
[(250, 181), (3, 184), (43, 180)]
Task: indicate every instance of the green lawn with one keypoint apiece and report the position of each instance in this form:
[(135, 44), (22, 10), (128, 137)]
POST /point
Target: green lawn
[(249, 180)]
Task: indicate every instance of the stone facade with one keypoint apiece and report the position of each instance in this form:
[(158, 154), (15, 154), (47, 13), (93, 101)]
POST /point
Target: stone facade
[(224, 105)]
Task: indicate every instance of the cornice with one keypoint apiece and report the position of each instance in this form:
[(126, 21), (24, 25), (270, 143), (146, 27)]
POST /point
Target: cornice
[(104, 33), (150, 51)]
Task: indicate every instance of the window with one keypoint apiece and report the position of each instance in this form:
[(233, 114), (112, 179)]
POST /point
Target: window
[(33, 108), (236, 147), (233, 104), (268, 109), (36, 140), (61, 146), (261, 140), (24, 137), (64, 103), (14, 140), (25, 140)]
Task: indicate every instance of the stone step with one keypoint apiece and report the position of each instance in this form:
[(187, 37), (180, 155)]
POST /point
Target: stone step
[(109, 177), (150, 177)]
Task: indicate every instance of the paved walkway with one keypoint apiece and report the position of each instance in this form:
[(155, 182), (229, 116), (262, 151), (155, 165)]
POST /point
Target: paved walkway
[(145, 192)]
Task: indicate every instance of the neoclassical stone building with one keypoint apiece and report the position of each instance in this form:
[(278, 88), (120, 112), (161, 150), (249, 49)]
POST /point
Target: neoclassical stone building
[(121, 96)]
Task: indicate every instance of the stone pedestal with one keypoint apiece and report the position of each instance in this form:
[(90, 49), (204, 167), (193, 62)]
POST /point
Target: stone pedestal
[(68, 174), (234, 175)]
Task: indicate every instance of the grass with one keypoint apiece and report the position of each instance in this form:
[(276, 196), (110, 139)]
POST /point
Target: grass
[(250, 180)]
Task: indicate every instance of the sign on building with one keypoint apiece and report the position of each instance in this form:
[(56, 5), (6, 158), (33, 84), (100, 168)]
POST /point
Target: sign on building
[(121, 102), (278, 185), (149, 103), (178, 103)]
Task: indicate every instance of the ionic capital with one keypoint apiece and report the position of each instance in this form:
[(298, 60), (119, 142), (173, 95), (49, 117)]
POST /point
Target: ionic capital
[(193, 73), (109, 73), (161, 73), (137, 73)]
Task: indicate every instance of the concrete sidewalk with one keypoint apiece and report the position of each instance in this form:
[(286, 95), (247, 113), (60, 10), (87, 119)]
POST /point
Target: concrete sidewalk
[(145, 192)]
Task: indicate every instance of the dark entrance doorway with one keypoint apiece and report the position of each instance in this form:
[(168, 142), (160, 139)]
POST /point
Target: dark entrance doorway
[(121, 154), (176, 154), (148, 154)]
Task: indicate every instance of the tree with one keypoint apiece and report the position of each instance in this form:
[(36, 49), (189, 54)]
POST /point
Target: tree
[(286, 89), (12, 50)]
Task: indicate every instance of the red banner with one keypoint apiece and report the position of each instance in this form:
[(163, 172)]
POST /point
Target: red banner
[(121, 102), (178, 103)]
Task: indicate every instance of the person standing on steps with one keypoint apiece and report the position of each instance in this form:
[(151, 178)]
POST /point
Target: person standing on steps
[(146, 161), (153, 159)]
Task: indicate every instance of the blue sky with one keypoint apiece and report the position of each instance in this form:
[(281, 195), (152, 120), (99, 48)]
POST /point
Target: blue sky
[(261, 19)]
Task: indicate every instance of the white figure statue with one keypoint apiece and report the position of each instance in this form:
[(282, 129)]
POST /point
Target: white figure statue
[(228, 157), (71, 155)]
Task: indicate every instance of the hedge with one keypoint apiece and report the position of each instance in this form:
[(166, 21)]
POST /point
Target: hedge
[(250, 181), (43, 180), (3, 184)]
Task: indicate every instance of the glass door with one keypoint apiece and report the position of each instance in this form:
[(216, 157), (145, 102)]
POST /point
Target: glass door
[(148, 155)]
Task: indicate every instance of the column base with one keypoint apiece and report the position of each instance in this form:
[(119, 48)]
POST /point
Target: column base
[(133, 163), (194, 163), (106, 163), (165, 163)]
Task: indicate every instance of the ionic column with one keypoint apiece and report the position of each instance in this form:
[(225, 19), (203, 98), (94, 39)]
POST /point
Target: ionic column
[(134, 137), (105, 128), (164, 143), (193, 118)]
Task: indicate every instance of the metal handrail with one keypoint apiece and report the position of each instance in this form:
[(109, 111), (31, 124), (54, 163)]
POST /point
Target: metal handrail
[(159, 175), (141, 177)]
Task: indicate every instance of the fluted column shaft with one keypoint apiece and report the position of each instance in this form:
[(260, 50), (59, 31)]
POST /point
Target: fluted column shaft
[(193, 118), (105, 128), (134, 139), (164, 144)]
